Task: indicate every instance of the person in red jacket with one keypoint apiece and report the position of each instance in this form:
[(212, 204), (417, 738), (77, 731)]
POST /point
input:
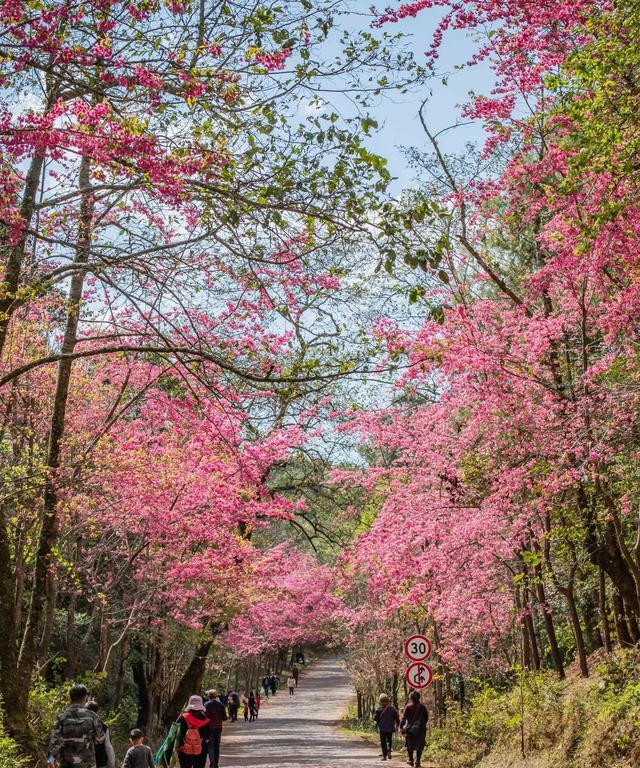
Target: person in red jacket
[(193, 735)]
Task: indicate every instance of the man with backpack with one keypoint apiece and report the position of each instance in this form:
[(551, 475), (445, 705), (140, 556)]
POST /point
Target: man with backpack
[(217, 714), (76, 733), (193, 735)]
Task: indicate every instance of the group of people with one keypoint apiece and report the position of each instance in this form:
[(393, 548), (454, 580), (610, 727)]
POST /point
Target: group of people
[(80, 739), (250, 704), (270, 682), (412, 723)]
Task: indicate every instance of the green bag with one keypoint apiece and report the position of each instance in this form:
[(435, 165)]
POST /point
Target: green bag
[(167, 755)]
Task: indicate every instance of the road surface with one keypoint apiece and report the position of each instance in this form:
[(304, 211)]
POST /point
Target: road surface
[(299, 731)]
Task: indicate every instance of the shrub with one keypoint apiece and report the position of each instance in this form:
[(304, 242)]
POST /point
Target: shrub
[(9, 750)]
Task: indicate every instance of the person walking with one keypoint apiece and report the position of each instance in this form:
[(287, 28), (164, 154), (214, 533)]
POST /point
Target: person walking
[(234, 706), (245, 707), (258, 703), (291, 684), (414, 727), (296, 674), (193, 735), (265, 685), (138, 755), (105, 753), (252, 707), (273, 683), (217, 714), (387, 719), (76, 733)]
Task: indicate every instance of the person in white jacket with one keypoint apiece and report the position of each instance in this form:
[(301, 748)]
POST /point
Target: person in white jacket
[(105, 753), (291, 684)]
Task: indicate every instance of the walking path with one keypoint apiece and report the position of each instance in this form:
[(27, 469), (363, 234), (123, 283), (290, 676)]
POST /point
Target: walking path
[(300, 730)]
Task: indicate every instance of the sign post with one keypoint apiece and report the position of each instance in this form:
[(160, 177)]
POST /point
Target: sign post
[(418, 675)]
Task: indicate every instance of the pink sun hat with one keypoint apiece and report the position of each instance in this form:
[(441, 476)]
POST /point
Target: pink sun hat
[(195, 702)]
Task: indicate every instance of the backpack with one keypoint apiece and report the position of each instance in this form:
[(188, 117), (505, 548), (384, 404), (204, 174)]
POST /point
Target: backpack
[(192, 744)]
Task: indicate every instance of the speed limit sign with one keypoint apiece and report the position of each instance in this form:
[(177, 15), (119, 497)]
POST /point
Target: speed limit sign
[(417, 648), (419, 675)]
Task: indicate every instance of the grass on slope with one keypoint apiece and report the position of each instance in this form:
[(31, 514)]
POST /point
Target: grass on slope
[(545, 723)]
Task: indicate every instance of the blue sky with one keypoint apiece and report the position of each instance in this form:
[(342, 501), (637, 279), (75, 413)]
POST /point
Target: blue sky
[(397, 114)]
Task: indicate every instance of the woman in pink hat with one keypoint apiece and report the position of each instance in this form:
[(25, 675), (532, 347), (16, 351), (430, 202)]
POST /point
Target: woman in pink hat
[(194, 734)]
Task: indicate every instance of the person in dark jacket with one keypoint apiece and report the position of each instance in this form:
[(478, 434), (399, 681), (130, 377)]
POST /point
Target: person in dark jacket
[(193, 735), (265, 685), (105, 753), (414, 728), (387, 720), (252, 707), (76, 733), (217, 714), (234, 706)]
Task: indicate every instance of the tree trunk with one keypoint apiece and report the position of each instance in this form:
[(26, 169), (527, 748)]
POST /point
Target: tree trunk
[(11, 684), (620, 620), (550, 629), (48, 536), (533, 640), (190, 682), (121, 678), (72, 655), (50, 617), (574, 618), (524, 631), (593, 635), (140, 679), (602, 609), (13, 255)]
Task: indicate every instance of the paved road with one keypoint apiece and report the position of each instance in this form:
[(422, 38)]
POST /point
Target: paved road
[(299, 731)]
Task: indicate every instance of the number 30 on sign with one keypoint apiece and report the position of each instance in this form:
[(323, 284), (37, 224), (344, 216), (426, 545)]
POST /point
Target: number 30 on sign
[(419, 675), (417, 648)]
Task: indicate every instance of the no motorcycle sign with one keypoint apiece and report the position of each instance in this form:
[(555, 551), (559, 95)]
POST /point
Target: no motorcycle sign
[(418, 674)]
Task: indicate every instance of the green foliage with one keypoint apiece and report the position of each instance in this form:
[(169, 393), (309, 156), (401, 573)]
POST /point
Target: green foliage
[(9, 751), (574, 723)]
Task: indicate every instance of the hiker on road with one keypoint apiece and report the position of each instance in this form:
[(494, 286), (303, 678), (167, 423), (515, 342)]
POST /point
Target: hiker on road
[(193, 735), (414, 728), (265, 685), (273, 683), (138, 755), (291, 684), (76, 733), (105, 754), (234, 705), (217, 714), (252, 707), (258, 703), (295, 673), (245, 707), (388, 721)]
